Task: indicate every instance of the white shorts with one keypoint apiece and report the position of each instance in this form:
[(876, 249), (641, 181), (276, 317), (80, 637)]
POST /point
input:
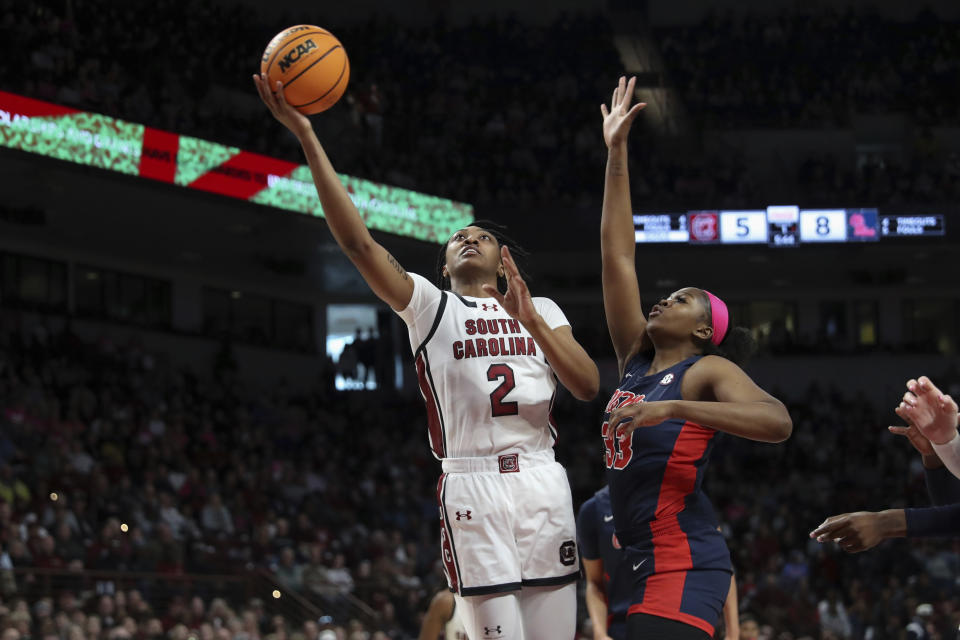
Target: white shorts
[(507, 522)]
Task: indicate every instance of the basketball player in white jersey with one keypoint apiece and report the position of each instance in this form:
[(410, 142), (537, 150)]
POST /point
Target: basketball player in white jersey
[(488, 361)]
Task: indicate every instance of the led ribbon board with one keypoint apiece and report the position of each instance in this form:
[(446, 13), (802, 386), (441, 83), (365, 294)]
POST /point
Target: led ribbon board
[(108, 143)]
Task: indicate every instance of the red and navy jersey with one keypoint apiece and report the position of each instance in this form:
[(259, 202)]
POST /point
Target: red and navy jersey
[(597, 540), (655, 476)]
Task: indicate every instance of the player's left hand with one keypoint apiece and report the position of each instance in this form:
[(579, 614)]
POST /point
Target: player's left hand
[(516, 301), (628, 419), (854, 532)]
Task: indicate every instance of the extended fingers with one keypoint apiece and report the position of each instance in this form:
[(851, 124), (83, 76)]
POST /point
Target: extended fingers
[(637, 108), (260, 83), (948, 404), (280, 95), (830, 527), (628, 94), (924, 387), (509, 266)]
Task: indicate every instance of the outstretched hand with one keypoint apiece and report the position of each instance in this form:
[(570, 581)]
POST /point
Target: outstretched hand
[(276, 101), (516, 301), (931, 411), (617, 120), (919, 441), (854, 532)]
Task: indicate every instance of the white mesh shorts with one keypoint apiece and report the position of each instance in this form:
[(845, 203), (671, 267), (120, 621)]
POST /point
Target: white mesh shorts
[(507, 522)]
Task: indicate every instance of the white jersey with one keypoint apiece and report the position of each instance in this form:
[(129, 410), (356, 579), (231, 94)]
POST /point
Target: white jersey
[(486, 382)]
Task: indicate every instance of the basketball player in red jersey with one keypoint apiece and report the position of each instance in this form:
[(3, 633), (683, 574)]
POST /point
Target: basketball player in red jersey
[(488, 362), (679, 386)]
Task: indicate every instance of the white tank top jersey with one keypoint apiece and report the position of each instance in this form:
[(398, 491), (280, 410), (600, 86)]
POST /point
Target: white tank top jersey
[(487, 384)]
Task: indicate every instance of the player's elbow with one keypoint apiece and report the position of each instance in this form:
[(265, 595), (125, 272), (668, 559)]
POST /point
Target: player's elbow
[(780, 426), (587, 386), (358, 248)]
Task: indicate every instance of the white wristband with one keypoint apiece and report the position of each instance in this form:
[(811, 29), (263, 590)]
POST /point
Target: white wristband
[(949, 453)]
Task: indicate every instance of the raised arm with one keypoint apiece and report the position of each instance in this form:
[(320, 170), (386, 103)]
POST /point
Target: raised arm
[(621, 291), (380, 269)]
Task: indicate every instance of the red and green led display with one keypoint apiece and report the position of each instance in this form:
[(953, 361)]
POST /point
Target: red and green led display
[(134, 149)]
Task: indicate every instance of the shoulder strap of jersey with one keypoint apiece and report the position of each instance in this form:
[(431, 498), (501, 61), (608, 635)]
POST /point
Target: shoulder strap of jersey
[(436, 323)]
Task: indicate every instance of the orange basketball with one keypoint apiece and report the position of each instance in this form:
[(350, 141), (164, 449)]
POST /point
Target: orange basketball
[(312, 65)]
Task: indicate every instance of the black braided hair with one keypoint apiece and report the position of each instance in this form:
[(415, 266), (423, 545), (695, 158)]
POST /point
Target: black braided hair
[(498, 231)]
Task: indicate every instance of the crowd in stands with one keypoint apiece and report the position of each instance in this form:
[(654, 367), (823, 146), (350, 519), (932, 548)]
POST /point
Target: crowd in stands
[(158, 470), (437, 109)]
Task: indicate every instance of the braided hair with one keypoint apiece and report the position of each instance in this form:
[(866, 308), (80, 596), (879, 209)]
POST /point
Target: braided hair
[(498, 231)]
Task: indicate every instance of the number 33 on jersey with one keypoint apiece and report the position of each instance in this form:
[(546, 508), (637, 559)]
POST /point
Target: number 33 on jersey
[(487, 386)]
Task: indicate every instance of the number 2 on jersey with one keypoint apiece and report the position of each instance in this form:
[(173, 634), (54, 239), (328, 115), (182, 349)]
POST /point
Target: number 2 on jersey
[(497, 405), (618, 447)]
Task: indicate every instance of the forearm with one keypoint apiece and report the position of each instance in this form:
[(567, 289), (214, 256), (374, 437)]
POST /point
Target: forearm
[(341, 214), (621, 293), (597, 609), (616, 219), (949, 453), (573, 366), (932, 522), (761, 421)]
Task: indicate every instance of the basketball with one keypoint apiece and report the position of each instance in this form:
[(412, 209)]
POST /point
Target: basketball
[(312, 65)]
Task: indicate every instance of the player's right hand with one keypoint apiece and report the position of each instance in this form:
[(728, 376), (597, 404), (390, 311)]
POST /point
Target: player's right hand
[(281, 110), (931, 411), (617, 121), (854, 532)]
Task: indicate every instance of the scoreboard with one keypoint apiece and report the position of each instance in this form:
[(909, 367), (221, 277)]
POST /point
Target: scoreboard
[(782, 226)]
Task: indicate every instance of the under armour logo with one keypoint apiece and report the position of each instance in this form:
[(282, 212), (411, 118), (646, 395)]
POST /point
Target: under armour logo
[(491, 630), (466, 515), (492, 307)]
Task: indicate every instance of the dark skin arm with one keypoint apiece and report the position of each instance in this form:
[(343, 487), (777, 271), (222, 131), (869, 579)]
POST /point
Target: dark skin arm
[(862, 530), (719, 395), (596, 597), (438, 614)]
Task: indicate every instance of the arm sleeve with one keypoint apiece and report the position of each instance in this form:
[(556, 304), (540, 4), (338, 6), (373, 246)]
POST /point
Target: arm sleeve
[(587, 530), (550, 312), (943, 486), (933, 522), (420, 311), (950, 454)]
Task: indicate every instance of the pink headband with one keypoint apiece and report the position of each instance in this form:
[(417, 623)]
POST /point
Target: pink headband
[(721, 317)]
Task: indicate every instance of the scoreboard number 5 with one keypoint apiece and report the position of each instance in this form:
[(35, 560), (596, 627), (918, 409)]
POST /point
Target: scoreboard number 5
[(498, 407)]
